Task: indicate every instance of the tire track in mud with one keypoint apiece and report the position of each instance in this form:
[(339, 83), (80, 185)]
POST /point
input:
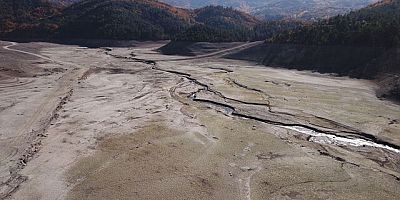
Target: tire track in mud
[(18, 82)]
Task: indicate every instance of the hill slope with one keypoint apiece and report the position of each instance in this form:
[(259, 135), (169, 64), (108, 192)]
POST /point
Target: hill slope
[(228, 18), (25, 14), (219, 24), (282, 9), (119, 19), (362, 44), (376, 25), (308, 9)]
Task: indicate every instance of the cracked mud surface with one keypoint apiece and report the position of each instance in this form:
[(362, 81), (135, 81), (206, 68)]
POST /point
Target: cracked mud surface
[(129, 123)]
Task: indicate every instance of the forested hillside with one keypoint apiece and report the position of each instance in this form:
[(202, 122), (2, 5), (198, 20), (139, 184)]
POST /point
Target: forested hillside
[(25, 14), (121, 19), (362, 44), (260, 31), (25, 10), (219, 24), (307, 10), (127, 19), (376, 25), (227, 18)]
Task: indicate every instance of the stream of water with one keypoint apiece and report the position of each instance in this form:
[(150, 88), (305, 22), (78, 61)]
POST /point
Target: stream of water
[(323, 138)]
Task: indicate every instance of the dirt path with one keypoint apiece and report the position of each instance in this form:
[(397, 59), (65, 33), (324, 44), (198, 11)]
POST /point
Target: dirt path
[(218, 53), (12, 44), (26, 138)]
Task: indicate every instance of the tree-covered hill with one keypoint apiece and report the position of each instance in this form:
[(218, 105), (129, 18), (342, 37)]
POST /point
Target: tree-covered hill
[(25, 10), (376, 25), (219, 24), (25, 14), (259, 31), (122, 19), (362, 44), (305, 10), (226, 18)]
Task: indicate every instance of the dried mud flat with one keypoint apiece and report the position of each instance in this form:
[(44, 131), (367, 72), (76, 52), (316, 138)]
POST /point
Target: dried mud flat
[(129, 123)]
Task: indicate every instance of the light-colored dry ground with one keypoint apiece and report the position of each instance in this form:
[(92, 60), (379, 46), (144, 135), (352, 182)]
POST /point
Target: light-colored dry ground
[(113, 125)]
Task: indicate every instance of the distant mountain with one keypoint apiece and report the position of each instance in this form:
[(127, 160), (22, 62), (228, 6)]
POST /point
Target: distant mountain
[(226, 3), (282, 9), (310, 10)]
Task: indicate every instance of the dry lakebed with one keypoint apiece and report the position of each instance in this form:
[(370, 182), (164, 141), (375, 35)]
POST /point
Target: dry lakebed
[(131, 123)]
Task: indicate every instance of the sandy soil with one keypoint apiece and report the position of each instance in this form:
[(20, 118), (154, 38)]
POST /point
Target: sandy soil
[(129, 123)]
